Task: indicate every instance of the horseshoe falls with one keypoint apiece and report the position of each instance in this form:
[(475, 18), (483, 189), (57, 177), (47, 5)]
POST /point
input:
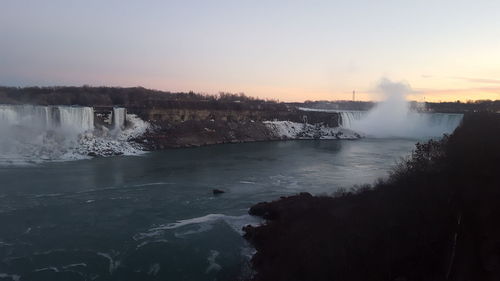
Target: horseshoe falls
[(407, 125), (393, 118)]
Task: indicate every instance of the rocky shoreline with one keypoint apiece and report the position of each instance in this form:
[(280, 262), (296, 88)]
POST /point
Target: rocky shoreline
[(163, 135)]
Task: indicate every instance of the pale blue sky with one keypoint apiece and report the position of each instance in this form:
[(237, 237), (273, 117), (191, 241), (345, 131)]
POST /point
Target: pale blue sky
[(290, 50)]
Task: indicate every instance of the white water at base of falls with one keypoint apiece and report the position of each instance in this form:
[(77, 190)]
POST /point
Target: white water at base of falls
[(31, 133)]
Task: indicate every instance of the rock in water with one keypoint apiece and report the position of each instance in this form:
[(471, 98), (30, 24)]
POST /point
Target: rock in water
[(217, 191)]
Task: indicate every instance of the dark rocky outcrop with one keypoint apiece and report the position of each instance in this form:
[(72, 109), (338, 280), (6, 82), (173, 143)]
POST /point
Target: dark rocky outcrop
[(184, 127), (217, 191), (199, 133)]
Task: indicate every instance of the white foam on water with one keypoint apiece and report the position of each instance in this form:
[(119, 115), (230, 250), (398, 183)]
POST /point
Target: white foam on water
[(201, 228), (154, 269), (152, 184), (235, 222), (2, 244), (247, 182), (212, 265), (48, 252), (74, 265), (51, 268), (48, 195), (113, 265), (13, 277), (142, 244)]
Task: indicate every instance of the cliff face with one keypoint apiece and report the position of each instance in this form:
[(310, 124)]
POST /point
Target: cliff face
[(184, 127), (197, 133), (182, 114)]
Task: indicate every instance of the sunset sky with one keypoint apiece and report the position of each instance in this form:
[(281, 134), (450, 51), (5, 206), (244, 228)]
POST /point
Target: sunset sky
[(286, 50)]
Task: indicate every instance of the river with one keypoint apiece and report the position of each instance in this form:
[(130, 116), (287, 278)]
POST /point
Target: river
[(154, 217)]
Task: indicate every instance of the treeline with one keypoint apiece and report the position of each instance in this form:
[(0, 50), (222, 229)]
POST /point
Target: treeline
[(461, 107), (135, 97), (146, 98), (337, 105), (444, 107)]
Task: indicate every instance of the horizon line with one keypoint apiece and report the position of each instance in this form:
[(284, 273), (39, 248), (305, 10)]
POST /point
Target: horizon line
[(247, 95)]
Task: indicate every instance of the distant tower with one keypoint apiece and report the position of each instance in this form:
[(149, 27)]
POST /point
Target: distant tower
[(353, 95)]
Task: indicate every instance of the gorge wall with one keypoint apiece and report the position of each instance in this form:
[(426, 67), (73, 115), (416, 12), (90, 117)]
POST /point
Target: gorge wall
[(185, 127)]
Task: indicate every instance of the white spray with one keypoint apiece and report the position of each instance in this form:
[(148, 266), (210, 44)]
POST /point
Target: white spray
[(393, 118)]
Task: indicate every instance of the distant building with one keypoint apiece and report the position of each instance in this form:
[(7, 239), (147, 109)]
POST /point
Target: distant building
[(419, 106)]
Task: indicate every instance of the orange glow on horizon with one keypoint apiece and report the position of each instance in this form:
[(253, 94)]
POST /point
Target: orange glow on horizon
[(436, 93)]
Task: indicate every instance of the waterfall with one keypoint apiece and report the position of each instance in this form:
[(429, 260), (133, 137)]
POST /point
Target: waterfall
[(392, 117), (348, 117), (119, 117), (28, 115), (41, 132), (396, 120), (80, 119), (411, 124), (76, 119), (32, 133), (442, 123)]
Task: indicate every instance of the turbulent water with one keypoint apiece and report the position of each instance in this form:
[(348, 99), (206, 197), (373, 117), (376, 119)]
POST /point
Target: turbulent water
[(153, 217)]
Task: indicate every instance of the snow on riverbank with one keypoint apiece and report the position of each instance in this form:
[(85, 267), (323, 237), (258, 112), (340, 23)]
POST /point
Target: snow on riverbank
[(293, 130), (114, 144)]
